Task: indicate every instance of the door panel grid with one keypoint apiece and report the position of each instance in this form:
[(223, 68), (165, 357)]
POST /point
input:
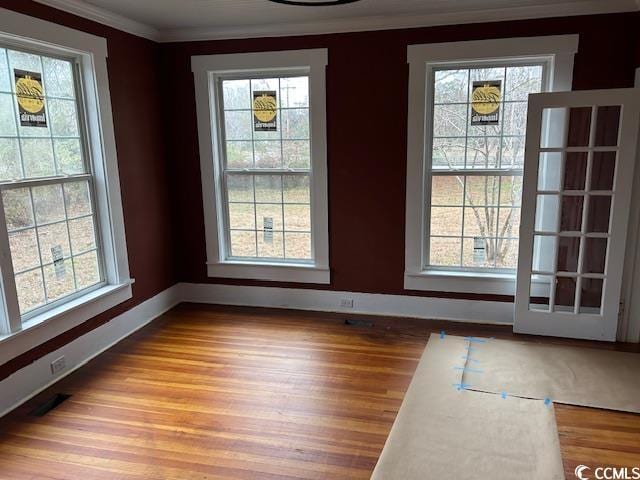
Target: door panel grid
[(578, 169)]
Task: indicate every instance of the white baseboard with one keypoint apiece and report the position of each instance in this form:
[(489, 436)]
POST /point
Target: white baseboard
[(34, 378), (472, 311)]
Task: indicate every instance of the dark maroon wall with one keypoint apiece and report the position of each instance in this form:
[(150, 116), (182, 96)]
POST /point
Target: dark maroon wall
[(366, 87), (138, 120)]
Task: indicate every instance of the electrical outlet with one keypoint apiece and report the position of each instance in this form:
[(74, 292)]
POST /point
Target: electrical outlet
[(58, 365), (346, 303)]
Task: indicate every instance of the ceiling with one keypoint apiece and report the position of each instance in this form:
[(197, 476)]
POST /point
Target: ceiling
[(169, 20)]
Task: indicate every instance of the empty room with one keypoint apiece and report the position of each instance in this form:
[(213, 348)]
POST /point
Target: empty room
[(319, 239)]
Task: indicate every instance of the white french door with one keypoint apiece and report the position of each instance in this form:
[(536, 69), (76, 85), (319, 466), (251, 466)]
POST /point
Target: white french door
[(579, 163)]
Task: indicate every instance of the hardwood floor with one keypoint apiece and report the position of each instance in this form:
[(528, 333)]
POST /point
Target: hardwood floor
[(218, 392)]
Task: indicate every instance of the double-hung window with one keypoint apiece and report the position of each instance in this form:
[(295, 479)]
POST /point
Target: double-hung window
[(467, 117), (46, 180), (263, 156), (62, 241)]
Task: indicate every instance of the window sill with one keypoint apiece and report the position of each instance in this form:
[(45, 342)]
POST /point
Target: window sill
[(277, 272), (58, 320), (489, 283), (461, 282)]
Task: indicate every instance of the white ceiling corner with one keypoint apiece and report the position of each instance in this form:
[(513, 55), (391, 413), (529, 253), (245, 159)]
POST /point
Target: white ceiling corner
[(187, 20)]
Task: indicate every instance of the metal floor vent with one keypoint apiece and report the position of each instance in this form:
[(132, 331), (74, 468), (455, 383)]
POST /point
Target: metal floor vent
[(358, 323), (50, 404)]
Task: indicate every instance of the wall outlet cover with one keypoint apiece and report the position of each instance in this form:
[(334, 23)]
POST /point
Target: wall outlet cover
[(58, 365)]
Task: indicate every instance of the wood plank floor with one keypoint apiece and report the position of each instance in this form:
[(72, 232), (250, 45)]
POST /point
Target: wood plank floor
[(210, 392)]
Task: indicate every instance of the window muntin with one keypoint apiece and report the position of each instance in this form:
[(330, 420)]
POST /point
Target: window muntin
[(47, 186), (476, 171), (266, 174)]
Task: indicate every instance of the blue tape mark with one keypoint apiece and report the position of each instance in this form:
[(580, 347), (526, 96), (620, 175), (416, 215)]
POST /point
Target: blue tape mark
[(442, 335), (547, 401), (504, 395), (475, 340), (461, 386), (467, 369), (469, 359)]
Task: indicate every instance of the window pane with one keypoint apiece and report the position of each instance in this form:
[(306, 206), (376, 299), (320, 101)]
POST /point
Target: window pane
[(297, 217), (243, 244), (521, 81), (58, 78), (30, 287), (295, 124), (269, 214), (53, 238), (10, 168), (482, 191), (450, 120), (446, 221), (447, 190), (296, 189), (270, 244), (296, 154), (236, 94), (451, 86), (445, 251), (77, 199), (240, 188), (68, 154), (59, 280), (237, 125), (515, 118), (448, 153), (483, 152), (294, 92), (87, 270), (48, 204), (268, 188), (268, 153), (5, 81), (242, 216), (18, 211), (37, 155), (63, 118), (298, 246), (82, 234), (7, 115), (512, 152), (24, 250)]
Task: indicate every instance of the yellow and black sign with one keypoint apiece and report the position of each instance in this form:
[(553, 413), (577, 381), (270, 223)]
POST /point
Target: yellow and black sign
[(265, 113), (30, 96), (485, 102)]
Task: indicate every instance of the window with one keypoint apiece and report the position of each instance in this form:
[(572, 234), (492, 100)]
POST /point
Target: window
[(476, 169), (264, 166), (267, 167), (46, 182), (464, 172), (61, 226)]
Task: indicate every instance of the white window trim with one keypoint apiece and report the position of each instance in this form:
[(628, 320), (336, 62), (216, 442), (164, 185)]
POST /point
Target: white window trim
[(205, 69), (90, 52), (560, 49)]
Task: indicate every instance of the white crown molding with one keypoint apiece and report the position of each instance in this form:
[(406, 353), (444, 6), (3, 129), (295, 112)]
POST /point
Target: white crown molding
[(106, 17), (345, 25)]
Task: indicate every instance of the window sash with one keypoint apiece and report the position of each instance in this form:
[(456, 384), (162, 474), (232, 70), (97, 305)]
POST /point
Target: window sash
[(256, 171), (10, 291), (430, 171)]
